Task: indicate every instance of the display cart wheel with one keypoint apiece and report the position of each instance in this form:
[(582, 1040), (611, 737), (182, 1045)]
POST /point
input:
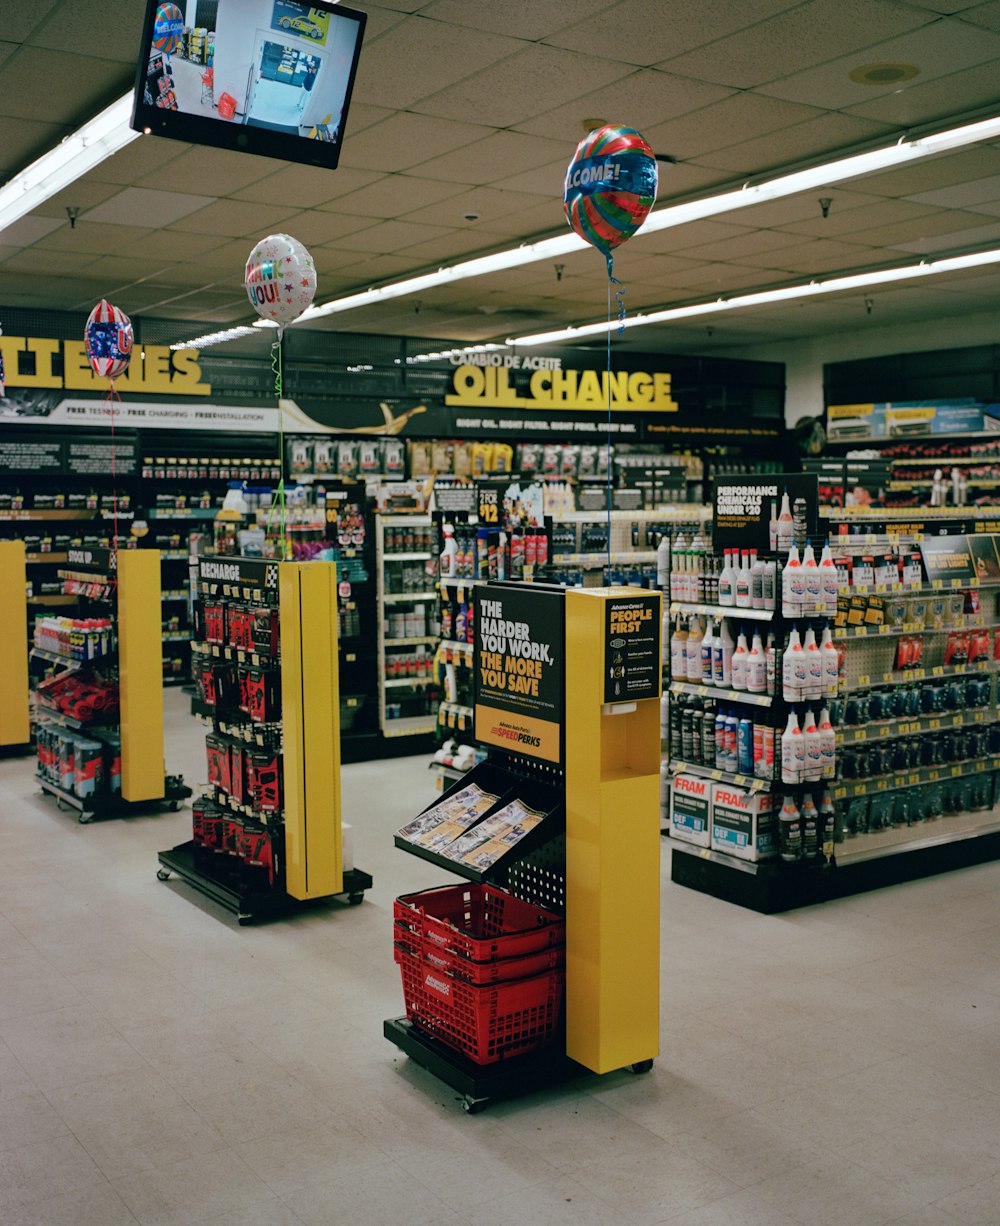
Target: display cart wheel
[(244, 920), (354, 899), (85, 818), (473, 1106), (641, 1066), (163, 874), (175, 806)]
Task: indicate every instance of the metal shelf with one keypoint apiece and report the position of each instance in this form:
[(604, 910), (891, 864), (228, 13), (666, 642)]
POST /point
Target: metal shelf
[(53, 600), (406, 557), (182, 513), (909, 725), (848, 789), (414, 642), (413, 725), (407, 682), (720, 610), (54, 658), (635, 557), (402, 597), (720, 692), (904, 676)]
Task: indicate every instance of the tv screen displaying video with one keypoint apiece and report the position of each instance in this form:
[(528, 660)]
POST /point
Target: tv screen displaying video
[(271, 77)]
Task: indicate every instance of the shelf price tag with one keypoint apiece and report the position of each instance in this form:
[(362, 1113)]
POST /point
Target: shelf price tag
[(937, 670), (864, 680)]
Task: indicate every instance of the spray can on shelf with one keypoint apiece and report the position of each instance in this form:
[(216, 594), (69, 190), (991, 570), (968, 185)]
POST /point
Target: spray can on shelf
[(744, 746)]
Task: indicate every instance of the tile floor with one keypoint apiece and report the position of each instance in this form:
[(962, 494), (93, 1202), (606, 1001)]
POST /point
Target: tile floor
[(158, 1064)]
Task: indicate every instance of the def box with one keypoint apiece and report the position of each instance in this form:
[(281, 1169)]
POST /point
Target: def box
[(743, 822), (691, 809)]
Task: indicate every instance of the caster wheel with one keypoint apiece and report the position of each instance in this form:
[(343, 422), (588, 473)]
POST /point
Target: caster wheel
[(162, 874), (85, 819), (643, 1066), (175, 806), (354, 899), (473, 1106)]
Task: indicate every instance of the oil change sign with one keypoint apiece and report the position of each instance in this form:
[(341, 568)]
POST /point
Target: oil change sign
[(632, 648), (519, 667)]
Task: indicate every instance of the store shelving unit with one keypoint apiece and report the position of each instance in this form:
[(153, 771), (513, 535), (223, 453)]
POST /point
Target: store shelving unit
[(15, 716), (126, 588), (267, 833), (592, 858), (407, 687)]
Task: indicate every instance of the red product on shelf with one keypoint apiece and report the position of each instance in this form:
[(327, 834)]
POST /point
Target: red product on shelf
[(256, 850), (217, 752), (263, 781), (214, 618), (232, 832), (237, 774), (265, 631)]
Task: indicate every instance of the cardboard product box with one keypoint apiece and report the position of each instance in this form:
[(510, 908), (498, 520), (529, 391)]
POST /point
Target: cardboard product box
[(690, 809), (743, 823)]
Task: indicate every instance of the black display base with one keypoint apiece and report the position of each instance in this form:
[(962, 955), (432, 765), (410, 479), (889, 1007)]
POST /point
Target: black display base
[(17, 751), (771, 886), (224, 887), (95, 808), (481, 1084)]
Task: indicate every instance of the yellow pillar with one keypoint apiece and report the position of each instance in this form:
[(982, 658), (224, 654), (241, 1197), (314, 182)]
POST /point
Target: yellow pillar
[(140, 673), (310, 709), (612, 846), (15, 720)]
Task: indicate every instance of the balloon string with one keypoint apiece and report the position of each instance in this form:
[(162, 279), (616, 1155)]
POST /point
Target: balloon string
[(620, 293), (610, 279), (109, 400), (279, 501)]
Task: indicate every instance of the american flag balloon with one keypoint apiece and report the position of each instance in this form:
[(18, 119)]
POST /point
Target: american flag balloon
[(108, 340), (610, 186)]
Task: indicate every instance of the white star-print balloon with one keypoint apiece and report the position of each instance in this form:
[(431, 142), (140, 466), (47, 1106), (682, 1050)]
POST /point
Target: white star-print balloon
[(280, 279)]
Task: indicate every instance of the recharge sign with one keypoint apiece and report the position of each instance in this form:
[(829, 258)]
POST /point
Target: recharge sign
[(519, 667)]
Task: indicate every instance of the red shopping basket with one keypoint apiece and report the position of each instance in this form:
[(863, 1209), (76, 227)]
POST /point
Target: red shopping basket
[(486, 1023), (479, 922), (498, 970)]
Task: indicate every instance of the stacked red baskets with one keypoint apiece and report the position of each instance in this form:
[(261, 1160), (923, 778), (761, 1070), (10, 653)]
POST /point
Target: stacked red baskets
[(482, 970)]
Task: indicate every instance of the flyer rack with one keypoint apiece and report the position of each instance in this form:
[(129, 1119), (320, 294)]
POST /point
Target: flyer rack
[(124, 587), (267, 834), (583, 745)]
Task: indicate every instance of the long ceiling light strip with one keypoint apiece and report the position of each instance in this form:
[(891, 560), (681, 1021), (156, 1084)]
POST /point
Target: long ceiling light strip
[(79, 152), (215, 338), (788, 293), (678, 214)]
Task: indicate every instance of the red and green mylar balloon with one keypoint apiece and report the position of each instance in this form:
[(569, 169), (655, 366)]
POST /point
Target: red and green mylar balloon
[(610, 186)]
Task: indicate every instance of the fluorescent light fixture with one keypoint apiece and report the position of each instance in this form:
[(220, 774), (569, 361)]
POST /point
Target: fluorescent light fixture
[(449, 353), (79, 152), (788, 293), (214, 338), (676, 215)]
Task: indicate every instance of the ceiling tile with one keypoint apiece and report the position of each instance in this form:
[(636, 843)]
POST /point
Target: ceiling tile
[(490, 203), (497, 155), (390, 236), (818, 256), (83, 194), (138, 159), (646, 32), (435, 55), (7, 50), (695, 234), (789, 42), (737, 118), (456, 245), (536, 80), (19, 19), (94, 236), (304, 186), (119, 270), (42, 263), (753, 242), (378, 268), (29, 230), (529, 19), (822, 137), (110, 30), (945, 6), (934, 101), (395, 196), (943, 47), (232, 218), (962, 195), (313, 227), (406, 140), (949, 168), (838, 223), (22, 140), (545, 217), (641, 99), (941, 222), (777, 213), (221, 171), (954, 240), (170, 245), (155, 209), (75, 86), (985, 15)]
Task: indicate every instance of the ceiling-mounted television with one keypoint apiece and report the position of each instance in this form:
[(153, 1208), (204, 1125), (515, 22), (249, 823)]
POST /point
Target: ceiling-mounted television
[(272, 77)]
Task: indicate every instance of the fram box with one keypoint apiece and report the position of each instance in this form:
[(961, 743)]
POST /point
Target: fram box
[(690, 809), (742, 822)]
